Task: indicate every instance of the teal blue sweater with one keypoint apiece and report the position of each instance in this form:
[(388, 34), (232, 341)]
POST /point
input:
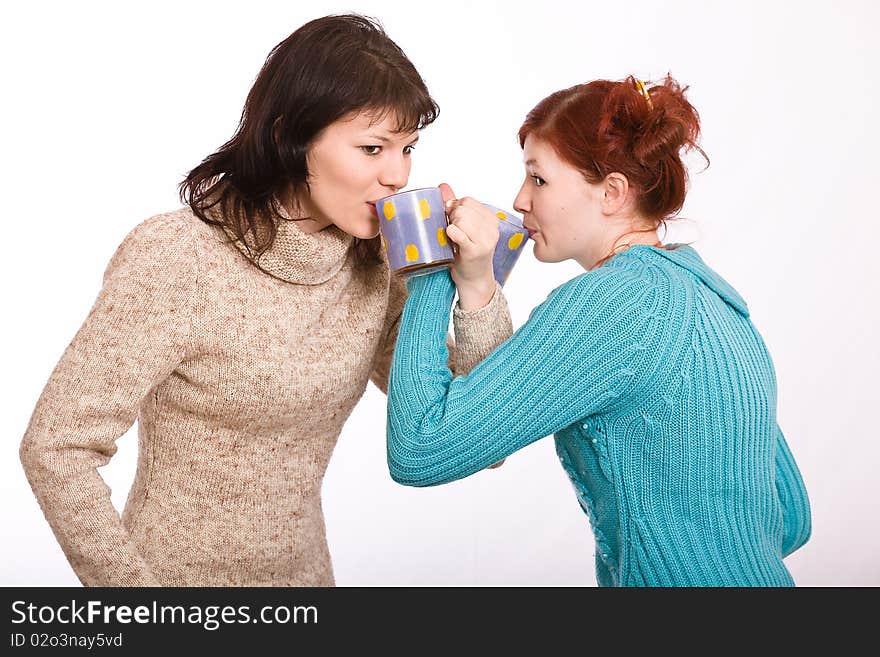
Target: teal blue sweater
[(662, 398)]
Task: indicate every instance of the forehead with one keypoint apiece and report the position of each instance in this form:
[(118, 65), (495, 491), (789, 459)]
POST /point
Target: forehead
[(375, 122), (537, 152)]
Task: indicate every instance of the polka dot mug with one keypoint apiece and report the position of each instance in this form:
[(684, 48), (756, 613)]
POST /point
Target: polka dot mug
[(413, 224)]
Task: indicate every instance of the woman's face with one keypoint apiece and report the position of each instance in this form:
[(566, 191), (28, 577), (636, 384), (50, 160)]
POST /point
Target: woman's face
[(561, 210), (352, 163)]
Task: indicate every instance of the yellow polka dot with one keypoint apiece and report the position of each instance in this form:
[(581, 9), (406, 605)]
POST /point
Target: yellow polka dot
[(389, 210), (501, 216), (514, 242), (424, 208), (441, 236), (412, 253)]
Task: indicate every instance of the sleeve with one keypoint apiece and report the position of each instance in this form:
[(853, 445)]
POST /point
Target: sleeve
[(586, 345), (796, 522), (477, 333), (134, 336)]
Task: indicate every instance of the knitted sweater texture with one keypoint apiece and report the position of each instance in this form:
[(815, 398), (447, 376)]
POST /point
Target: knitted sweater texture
[(240, 383), (662, 398)]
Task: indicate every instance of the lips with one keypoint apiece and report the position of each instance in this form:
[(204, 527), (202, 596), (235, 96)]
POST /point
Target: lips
[(531, 231)]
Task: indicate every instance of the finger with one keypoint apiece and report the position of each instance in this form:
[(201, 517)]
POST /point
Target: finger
[(486, 215), (478, 228), (459, 218), (451, 206), (458, 236), (447, 193), (456, 213), (481, 234)]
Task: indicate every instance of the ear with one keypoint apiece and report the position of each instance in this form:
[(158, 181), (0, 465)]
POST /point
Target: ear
[(615, 189)]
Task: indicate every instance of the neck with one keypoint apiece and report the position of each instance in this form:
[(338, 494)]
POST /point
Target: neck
[(307, 220), (618, 243), (310, 225)]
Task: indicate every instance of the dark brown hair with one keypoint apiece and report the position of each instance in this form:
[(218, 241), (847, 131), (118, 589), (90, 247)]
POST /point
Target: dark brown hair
[(327, 69), (609, 126)]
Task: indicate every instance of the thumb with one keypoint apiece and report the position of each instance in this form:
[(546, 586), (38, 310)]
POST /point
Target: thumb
[(446, 192)]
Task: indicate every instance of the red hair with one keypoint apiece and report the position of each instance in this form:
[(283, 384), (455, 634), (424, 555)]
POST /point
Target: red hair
[(609, 126)]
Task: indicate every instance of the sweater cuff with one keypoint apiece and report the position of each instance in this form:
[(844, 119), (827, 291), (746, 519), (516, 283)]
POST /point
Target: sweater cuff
[(478, 332)]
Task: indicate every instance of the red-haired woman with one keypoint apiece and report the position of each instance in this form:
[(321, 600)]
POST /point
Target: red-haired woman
[(242, 329), (659, 389)]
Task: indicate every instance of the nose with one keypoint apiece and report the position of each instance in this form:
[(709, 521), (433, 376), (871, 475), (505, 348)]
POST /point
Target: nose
[(395, 172), (522, 203)]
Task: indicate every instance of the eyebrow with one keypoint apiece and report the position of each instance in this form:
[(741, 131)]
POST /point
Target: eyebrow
[(387, 140), (531, 161)]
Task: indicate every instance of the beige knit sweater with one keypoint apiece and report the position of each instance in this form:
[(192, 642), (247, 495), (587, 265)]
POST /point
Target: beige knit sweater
[(240, 382)]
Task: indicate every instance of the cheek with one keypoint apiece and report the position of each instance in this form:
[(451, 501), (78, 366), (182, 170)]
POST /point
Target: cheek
[(341, 179)]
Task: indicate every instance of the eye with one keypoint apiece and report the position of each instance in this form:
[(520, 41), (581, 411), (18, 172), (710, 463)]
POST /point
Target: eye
[(409, 149), (371, 150), (538, 181)]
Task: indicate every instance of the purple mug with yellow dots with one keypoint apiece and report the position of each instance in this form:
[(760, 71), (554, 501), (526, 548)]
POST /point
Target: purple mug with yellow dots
[(413, 229), (511, 240)]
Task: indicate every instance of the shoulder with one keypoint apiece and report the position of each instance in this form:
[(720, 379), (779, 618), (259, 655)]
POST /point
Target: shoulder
[(165, 242), (620, 299), (168, 229), (608, 285)]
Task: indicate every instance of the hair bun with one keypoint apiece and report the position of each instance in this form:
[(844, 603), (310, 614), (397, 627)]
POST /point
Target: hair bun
[(669, 123), (628, 126)]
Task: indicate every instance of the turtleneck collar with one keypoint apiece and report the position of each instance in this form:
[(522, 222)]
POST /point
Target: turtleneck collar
[(299, 257)]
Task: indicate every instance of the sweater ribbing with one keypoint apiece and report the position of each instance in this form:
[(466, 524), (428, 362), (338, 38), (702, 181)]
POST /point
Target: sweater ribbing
[(662, 398)]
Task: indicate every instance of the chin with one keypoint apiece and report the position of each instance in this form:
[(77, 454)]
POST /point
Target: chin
[(371, 230), (367, 232), (542, 256), (365, 228)]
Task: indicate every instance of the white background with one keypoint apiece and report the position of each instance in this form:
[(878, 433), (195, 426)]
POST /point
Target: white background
[(107, 106)]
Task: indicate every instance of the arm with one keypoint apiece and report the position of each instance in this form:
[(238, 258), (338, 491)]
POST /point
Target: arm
[(477, 333), (583, 347), (134, 336), (481, 317), (796, 523)]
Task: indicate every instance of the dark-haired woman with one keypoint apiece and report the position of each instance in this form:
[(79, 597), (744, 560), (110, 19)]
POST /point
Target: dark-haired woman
[(647, 368), (241, 330)]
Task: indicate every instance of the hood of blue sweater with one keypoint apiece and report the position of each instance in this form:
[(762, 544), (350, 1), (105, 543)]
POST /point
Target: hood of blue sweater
[(686, 257)]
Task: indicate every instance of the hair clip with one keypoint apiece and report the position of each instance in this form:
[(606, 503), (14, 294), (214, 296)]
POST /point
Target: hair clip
[(644, 91)]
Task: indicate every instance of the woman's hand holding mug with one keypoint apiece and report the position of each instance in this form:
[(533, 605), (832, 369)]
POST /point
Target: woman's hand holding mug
[(473, 229)]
